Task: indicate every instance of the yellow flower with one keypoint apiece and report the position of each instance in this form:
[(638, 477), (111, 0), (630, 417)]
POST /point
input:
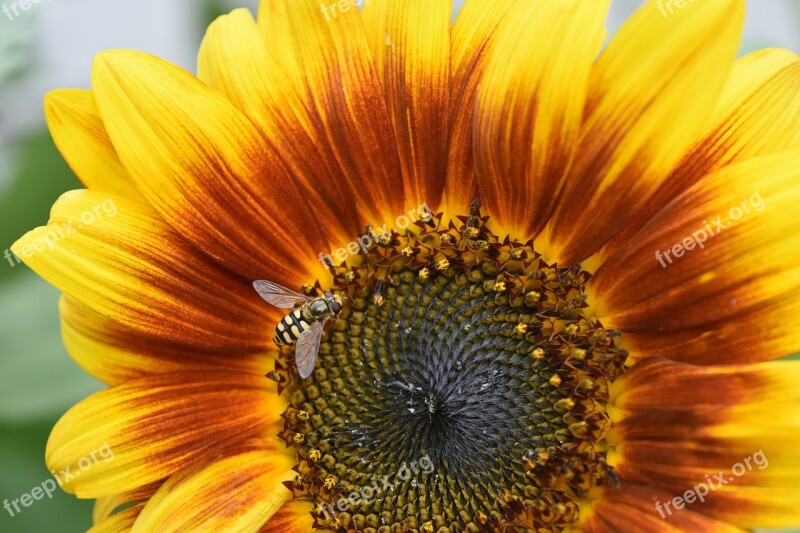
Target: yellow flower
[(637, 215)]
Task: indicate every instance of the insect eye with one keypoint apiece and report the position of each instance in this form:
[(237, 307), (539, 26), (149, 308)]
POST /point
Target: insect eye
[(336, 306)]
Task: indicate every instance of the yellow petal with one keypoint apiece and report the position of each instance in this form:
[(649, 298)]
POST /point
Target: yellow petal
[(529, 108), (472, 38), (81, 137), (121, 521), (105, 507), (237, 490), (119, 258), (410, 44), (145, 430), (206, 168), (762, 333), (757, 114), (733, 427), (233, 59), (720, 254), (293, 517), (652, 93), (114, 353), (616, 509), (328, 66)]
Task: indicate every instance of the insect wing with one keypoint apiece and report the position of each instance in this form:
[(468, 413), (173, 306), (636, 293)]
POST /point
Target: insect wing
[(307, 349), (278, 295)]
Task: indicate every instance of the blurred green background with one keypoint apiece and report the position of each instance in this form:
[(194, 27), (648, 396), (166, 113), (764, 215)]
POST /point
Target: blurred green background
[(51, 46)]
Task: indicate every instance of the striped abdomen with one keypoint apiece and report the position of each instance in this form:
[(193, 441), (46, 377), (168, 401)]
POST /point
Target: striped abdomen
[(290, 327)]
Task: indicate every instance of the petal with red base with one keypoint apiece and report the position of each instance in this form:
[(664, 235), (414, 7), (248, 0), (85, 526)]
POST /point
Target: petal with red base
[(151, 427), (733, 428)]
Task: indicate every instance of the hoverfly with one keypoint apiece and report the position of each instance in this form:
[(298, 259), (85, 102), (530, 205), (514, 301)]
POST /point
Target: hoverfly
[(304, 325)]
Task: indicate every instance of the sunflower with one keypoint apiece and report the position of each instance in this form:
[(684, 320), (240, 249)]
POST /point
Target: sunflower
[(565, 267)]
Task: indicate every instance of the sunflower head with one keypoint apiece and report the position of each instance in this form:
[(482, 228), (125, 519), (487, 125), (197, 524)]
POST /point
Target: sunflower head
[(506, 356)]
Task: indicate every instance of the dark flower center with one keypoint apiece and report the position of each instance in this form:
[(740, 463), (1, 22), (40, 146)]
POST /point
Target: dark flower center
[(460, 388)]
